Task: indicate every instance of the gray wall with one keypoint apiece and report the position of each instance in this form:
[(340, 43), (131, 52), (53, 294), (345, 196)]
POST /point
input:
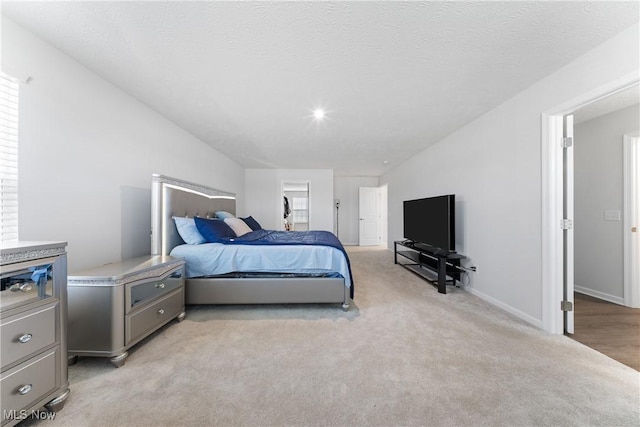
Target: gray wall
[(598, 187), (87, 152), (347, 190)]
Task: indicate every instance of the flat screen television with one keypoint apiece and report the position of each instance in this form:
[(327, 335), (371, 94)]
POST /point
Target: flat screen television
[(431, 221)]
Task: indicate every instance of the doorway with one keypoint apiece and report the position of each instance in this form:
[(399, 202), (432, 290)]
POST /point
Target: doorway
[(594, 219), (296, 207), (603, 317), (603, 218), (553, 192)]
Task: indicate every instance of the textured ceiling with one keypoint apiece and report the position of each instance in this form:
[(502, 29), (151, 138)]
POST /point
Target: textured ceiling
[(608, 104), (394, 77)]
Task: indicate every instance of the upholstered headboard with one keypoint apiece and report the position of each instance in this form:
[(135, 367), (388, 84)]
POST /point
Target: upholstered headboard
[(173, 197)]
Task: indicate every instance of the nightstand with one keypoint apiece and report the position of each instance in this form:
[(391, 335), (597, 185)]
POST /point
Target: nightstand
[(114, 306)]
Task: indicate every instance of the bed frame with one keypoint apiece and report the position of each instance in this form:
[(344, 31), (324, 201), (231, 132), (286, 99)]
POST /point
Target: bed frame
[(173, 197)]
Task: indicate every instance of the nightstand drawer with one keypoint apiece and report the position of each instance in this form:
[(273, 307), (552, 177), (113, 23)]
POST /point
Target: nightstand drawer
[(27, 333), (144, 292), (29, 382), (153, 316)]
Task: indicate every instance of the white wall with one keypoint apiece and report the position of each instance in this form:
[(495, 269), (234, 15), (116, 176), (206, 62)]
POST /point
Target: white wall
[(86, 154), (493, 165), (347, 190), (598, 186), (263, 191)]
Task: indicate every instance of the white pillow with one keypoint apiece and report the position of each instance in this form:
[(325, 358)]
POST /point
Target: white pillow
[(188, 230), (238, 226), (224, 214)]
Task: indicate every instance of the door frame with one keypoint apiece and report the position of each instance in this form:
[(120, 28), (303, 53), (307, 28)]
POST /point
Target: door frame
[(568, 234), (553, 196), (631, 204)]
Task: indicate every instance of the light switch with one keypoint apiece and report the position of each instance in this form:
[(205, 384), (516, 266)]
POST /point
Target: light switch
[(611, 215)]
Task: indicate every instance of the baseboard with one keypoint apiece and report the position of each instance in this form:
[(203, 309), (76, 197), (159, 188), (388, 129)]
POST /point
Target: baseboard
[(519, 314), (600, 295)]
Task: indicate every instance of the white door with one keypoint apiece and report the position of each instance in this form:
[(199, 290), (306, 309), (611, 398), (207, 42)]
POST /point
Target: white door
[(568, 225), (368, 206)]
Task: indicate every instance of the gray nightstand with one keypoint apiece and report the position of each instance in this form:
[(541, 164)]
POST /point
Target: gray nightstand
[(114, 306)]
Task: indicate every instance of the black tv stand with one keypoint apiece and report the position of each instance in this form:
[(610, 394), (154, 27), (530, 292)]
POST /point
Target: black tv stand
[(423, 247), (432, 264)]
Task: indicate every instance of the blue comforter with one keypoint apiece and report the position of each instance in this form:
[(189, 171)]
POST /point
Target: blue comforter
[(272, 237)]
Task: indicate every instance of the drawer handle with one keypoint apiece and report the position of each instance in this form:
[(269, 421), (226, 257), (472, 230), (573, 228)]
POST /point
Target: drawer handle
[(161, 311), (25, 389), (21, 287), (25, 338), (160, 285)]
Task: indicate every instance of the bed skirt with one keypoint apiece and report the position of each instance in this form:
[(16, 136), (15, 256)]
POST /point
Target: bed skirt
[(260, 290)]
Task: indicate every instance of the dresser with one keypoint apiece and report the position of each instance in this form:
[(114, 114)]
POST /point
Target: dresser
[(114, 306), (33, 336)]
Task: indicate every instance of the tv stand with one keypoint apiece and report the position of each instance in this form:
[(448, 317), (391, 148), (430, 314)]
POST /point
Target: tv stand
[(432, 264)]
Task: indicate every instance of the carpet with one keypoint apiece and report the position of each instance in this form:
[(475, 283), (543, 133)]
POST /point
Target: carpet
[(404, 355)]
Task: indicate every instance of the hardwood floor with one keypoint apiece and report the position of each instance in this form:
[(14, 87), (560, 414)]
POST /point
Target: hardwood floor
[(609, 328)]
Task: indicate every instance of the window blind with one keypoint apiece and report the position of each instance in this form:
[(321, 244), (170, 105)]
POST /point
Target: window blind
[(8, 158), (300, 209)]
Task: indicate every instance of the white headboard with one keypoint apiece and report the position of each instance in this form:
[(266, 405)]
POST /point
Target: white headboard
[(174, 197)]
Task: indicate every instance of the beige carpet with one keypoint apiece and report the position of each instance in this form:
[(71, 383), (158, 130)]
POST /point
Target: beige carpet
[(404, 355)]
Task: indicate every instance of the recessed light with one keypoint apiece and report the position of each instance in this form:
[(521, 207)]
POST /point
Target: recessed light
[(386, 162), (318, 114)]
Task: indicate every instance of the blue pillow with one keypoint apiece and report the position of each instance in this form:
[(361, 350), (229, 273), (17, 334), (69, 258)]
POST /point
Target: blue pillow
[(252, 223), (188, 231), (224, 214), (214, 230)]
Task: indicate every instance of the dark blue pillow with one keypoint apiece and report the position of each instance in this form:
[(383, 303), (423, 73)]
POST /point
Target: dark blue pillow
[(252, 223), (214, 230)]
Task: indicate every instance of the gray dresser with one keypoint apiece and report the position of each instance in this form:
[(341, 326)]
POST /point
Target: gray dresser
[(33, 338), (114, 306)]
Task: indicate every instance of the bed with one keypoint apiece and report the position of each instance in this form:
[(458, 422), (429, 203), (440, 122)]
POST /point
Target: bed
[(218, 273)]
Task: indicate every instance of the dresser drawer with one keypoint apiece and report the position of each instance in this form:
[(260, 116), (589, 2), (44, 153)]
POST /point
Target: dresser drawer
[(155, 315), (141, 293), (27, 333), (17, 287), (29, 382)]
